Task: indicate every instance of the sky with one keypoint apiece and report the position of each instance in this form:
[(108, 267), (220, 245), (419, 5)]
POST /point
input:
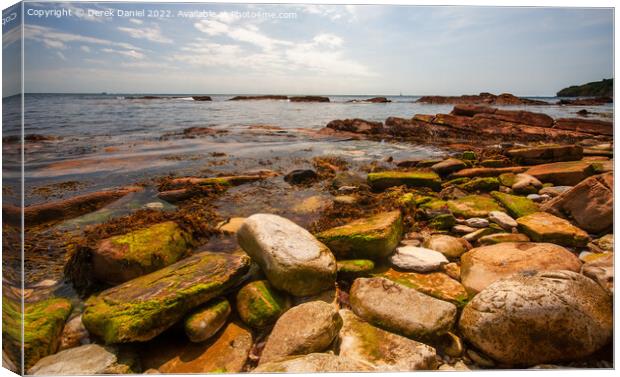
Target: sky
[(310, 49)]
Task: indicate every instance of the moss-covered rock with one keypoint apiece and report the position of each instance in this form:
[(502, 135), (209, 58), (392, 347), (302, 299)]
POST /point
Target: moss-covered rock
[(493, 163), (42, 321), (206, 321), (259, 305), (493, 239), (435, 284), (142, 308), (386, 179), (544, 227), (370, 238), (442, 222), (507, 179), (455, 182), (469, 155), (125, 257), (481, 184), (517, 206), (473, 206), (354, 268)]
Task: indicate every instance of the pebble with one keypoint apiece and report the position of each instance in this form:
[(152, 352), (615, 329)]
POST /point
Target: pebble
[(477, 222), (464, 229), (502, 219), (417, 259), (538, 198)]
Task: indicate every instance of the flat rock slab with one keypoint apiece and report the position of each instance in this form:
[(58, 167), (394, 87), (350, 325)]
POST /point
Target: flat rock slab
[(563, 173), (387, 179), (386, 351), (293, 260), (484, 265), (314, 363), (88, 359), (487, 172), (142, 308), (417, 259), (503, 220), (517, 206), (400, 309), (545, 227), (434, 284), (547, 153), (536, 318), (371, 238), (473, 206)]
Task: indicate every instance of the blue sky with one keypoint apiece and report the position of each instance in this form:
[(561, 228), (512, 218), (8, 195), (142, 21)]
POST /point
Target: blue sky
[(320, 50)]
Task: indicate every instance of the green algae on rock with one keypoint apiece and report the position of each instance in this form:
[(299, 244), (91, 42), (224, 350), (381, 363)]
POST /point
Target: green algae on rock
[(435, 284), (386, 179), (473, 206), (517, 206), (207, 320), (125, 257), (43, 322), (481, 184), (354, 268), (544, 227), (370, 238), (142, 308), (259, 305)]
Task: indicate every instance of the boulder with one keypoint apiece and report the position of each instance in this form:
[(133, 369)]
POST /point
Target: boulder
[(300, 176), (400, 309), (546, 153), (493, 239), (563, 173), (517, 206), (541, 317), (291, 258), (473, 206), (306, 328), (591, 126), (42, 323), (120, 258), (386, 179), (502, 219), (448, 166), (545, 227), (359, 126), (526, 184), (142, 308), (373, 238), (206, 321), (384, 350), (89, 359), (589, 204), (74, 334), (434, 284), (314, 363), (601, 270), (484, 184), (484, 265), (259, 305), (451, 247), (417, 259)]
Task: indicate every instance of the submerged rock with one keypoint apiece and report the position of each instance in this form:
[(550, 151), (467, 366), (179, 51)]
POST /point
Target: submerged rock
[(306, 328), (88, 359), (291, 258), (517, 206), (314, 363), (370, 238), (541, 317), (484, 265), (400, 309), (417, 259), (125, 257), (544, 227), (259, 305), (387, 179), (207, 320), (384, 350), (300, 176), (142, 308)]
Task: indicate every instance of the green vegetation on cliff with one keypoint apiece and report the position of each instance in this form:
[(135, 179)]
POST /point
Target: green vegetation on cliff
[(604, 88)]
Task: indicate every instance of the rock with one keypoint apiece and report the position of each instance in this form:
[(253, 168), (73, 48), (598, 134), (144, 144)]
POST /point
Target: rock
[(442, 222), (481, 184), (417, 259), (563, 173), (526, 184), (517, 206), (449, 246), (262, 97), (493, 239), (591, 126), (494, 163), (400, 309), (354, 268), (300, 176), (306, 328), (371, 100), (227, 352), (469, 155), (331, 297), (537, 198), (207, 320), (120, 258), (541, 317), (476, 235), (359, 126), (484, 265), (345, 199), (448, 166), (386, 179), (370, 238), (502, 219), (259, 305), (463, 229), (477, 222), (601, 271), (42, 322), (309, 99), (224, 181), (481, 99), (453, 270), (314, 363), (434, 284), (74, 334), (554, 191), (348, 179), (231, 226), (605, 243), (544, 227), (546, 153), (589, 204), (142, 308), (89, 359), (311, 204), (473, 206), (201, 98), (174, 196), (487, 172), (359, 340), (291, 258)]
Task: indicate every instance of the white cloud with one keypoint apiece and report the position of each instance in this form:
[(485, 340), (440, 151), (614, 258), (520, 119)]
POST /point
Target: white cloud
[(248, 34), (11, 36), (53, 38), (85, 48), (136, 21), (129, 53), (61, 55), (149, 33)]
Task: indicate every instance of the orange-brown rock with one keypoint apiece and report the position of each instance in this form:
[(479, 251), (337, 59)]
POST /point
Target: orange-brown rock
[(519, 116), (546, 153), (356, 125), (482, 98), (487, 172), (567, 173), (591, 126), (586, 101)]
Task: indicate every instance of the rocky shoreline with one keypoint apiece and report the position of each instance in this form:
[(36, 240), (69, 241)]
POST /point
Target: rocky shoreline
[(498, 255)]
